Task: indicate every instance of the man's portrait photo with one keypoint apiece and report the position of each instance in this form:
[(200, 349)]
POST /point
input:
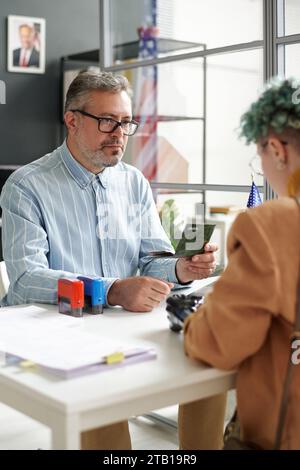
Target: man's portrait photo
[(26, 44)]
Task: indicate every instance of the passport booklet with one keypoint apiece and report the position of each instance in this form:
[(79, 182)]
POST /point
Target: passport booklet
[(192, 242)]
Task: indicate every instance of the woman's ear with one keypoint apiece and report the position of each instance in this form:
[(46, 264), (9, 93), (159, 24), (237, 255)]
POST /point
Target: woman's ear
[(278, 153)]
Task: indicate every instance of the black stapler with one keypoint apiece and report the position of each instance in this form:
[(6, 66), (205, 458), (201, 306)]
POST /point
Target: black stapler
[(179, 307)]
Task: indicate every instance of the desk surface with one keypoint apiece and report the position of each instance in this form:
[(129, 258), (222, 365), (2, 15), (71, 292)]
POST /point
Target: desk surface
[(110, 396)]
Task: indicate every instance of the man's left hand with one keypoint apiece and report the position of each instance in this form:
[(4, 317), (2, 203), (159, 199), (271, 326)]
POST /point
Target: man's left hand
[(199, 266)]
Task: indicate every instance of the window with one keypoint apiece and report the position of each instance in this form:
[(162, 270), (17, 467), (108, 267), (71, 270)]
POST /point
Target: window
[(168, 146), (207, 61), (206, 67), (182, 26), (290, 17), (233, 82), (292, 60)]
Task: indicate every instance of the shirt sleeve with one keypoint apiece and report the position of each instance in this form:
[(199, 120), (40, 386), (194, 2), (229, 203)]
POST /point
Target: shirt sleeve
[(233, 322), (26, 250), (154, 238)]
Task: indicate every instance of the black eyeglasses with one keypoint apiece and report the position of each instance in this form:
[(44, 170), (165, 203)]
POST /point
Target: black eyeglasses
[(108, 125)]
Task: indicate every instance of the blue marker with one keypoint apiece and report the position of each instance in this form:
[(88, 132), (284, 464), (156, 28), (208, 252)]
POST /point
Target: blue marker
[(94, 294)]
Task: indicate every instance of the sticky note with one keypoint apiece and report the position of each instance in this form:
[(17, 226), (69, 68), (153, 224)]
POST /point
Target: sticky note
[(115, 357), (27, 364)]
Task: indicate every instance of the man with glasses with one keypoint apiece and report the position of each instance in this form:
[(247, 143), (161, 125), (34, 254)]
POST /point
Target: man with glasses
[(81, 211)]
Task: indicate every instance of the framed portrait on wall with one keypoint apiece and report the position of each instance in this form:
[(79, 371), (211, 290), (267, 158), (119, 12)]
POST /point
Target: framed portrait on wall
[(26, 43)]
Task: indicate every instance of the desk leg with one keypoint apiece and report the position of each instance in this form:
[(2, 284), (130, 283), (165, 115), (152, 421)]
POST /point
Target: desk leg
[(66, 433)]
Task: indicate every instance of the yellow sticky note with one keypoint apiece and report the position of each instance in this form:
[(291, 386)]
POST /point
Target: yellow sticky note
[(27, 364), (115, 357)]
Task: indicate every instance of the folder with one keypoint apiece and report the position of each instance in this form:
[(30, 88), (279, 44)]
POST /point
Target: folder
[(131, 357), (35, 338)]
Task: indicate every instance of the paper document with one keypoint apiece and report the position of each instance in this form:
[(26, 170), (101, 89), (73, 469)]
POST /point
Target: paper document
[(56, 341)]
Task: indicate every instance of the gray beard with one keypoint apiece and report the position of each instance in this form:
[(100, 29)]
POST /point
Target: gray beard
[(98, 159)]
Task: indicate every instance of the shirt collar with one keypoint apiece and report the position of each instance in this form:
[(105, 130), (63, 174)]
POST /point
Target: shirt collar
[(80, 174), (103, 177), (26, 51)]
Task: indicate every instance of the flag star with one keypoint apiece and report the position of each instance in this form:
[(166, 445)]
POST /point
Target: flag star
[(254, 197)]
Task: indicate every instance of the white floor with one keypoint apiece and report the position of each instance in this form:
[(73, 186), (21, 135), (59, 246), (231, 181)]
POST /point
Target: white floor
[(17, 431), (20, 432)]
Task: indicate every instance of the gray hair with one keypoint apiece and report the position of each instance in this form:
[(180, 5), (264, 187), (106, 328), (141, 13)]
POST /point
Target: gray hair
[(79, 91), (25, 25)]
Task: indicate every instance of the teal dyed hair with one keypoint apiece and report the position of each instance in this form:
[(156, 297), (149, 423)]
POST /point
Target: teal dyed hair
[(277, 109)]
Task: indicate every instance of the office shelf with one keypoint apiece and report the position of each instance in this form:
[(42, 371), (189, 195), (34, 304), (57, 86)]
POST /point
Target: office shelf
[(130, 50)]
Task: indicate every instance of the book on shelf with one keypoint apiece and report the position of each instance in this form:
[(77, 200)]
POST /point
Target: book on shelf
[(227, 210)]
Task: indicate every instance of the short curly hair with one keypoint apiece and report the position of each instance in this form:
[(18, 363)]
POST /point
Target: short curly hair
[(277, 110)]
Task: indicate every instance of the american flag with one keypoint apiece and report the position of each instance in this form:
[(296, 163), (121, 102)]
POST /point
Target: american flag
[(145, 143), (37, 38), (254, 197)]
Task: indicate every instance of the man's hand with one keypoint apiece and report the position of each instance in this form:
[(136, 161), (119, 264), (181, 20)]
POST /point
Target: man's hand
[(138, 294), (197, 267)]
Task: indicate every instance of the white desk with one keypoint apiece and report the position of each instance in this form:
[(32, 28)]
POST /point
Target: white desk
[(71, 406)]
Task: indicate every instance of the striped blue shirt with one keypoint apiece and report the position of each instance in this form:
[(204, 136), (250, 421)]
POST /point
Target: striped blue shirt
[(59, 219)]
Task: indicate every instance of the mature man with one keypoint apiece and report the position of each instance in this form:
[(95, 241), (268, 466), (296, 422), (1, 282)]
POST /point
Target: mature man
[(26, 55), (80, 210)]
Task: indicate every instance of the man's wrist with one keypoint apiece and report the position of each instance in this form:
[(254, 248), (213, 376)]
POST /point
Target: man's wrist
[(177, 272), (113, 293)]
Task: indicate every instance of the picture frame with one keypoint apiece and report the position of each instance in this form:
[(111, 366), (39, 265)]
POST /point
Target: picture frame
[(26, 44)]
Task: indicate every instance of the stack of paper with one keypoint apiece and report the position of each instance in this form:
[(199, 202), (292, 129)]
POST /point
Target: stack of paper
[(58, 343)]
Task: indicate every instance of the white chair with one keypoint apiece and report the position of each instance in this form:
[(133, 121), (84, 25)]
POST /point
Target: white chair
[(4, 281)]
